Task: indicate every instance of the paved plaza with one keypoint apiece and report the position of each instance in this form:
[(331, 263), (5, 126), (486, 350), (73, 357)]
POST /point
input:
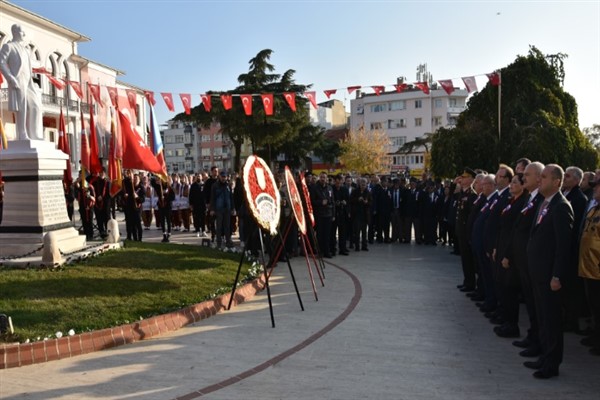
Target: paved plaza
[(388, 324)]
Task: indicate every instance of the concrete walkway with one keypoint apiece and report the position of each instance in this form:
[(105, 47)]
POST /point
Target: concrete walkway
[(389, 324)]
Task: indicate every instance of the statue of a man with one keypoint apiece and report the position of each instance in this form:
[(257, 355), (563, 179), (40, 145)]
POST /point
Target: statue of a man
[(23, 96)]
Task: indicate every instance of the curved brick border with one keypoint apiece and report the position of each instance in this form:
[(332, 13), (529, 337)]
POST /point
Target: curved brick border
[(18, 355)]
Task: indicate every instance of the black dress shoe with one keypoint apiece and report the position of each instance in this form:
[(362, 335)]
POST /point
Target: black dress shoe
[(467, 289), (525, 343), (343, 253), (507, 332), (545, 373), (491, 314), (533, 351), (485, 308), (365, 249), (590, 341), (477, 297), (533, 364), (460, 286), (498, 321), (472, 294)]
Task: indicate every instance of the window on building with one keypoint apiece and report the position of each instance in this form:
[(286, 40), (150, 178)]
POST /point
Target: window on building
[(169, 153), (179, 152), (398, 140), (396, 123), (437, 103), (418, 104), (188, 137), (452, 120), (169, 139), (218, 151), (452, 103), (206, 138), (376, 125), (437, 121), (218, 137), (397, 105), (178, 138), (205, 151), (188, 166), (378, 108), (418, 121)]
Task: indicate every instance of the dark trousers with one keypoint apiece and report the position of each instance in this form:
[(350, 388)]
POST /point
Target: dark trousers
[(199, 215), (323, 227), (338, 226), (547, 304), (396, 225), (520, 260), (164, 216), (383, 226), (373, 227), (359, 231), (101, 219), (133, 223), (592, 288), (87, 222), (413, 223), (466, 256)]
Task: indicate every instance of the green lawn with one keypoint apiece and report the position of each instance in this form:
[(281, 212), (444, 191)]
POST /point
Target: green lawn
[(117, 287)]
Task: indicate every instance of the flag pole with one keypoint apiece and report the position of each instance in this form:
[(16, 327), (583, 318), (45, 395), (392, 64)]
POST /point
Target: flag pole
[(499, 106)]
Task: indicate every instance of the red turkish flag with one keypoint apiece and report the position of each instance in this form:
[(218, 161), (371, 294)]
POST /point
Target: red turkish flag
[(136, 154), (206, 102), (85, 149), (132, 98), (494, 78), (401, 87), (150, 97), (470, 83), (312, 97), (227, 100), (353, 88), (95, 164), (95, 91), (290, 97), (378, 89), (267, 100), (186, 100), (113, 94), (447, 86), (63, 145), (168, 98), (247, 103), (77, 89), (57, 84), (423, 86), (329, 92)]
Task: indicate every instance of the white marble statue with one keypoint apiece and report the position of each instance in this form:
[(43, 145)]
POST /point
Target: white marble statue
[(24, 97)]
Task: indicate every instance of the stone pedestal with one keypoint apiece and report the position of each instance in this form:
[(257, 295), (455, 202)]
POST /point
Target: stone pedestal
[(34, 200)]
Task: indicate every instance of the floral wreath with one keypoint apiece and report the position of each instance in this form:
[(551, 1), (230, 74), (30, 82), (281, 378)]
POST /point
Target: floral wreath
[(295, 199), (262, 194)]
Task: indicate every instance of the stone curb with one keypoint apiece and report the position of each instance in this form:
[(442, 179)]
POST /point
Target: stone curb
[(19, 355)]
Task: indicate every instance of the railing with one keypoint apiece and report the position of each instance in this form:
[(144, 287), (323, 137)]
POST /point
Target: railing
[(58, 101)]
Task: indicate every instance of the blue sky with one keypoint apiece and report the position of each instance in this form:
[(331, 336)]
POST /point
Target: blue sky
[(191, 46)]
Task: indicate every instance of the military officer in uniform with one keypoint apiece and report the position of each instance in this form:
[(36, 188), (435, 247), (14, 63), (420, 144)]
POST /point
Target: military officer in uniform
[(465, 202)]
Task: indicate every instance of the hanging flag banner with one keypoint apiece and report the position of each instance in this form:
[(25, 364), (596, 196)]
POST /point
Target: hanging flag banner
[(328, 93), (227, 101), (206, 102), (267, 100), (312, 97), (186, 100), (494, 78), (150, 97), (290, 97), (113, 94), (76, 88), (447, 86), (131, 98), (401, 87), (423, 86), (261, 192), (378, 89), (470, 83), (95, 91), (247, 103), (168, 98), (352, 88)]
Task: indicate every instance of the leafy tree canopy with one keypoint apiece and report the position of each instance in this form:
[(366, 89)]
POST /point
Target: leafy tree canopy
[(538, 121)]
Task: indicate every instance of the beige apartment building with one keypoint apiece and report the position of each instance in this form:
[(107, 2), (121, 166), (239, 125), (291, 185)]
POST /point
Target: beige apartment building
[(406, 116)]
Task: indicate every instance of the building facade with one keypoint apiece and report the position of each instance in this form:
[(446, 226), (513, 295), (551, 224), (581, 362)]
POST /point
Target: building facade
[(55, 48), (405, 117)]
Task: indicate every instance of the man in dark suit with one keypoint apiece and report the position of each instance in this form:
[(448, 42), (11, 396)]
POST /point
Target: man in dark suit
[(464, 205), (573, 293), (548, 254), (516, 255), (414, 211)]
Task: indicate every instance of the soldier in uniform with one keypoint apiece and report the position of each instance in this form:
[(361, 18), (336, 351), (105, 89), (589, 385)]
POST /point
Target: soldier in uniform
[(466, 199)]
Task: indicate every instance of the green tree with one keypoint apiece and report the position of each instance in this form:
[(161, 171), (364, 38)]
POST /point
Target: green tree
[(538, 121), (286, 131)]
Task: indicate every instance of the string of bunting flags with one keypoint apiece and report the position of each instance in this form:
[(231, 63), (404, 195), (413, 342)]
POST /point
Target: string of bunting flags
[(267, 99)]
